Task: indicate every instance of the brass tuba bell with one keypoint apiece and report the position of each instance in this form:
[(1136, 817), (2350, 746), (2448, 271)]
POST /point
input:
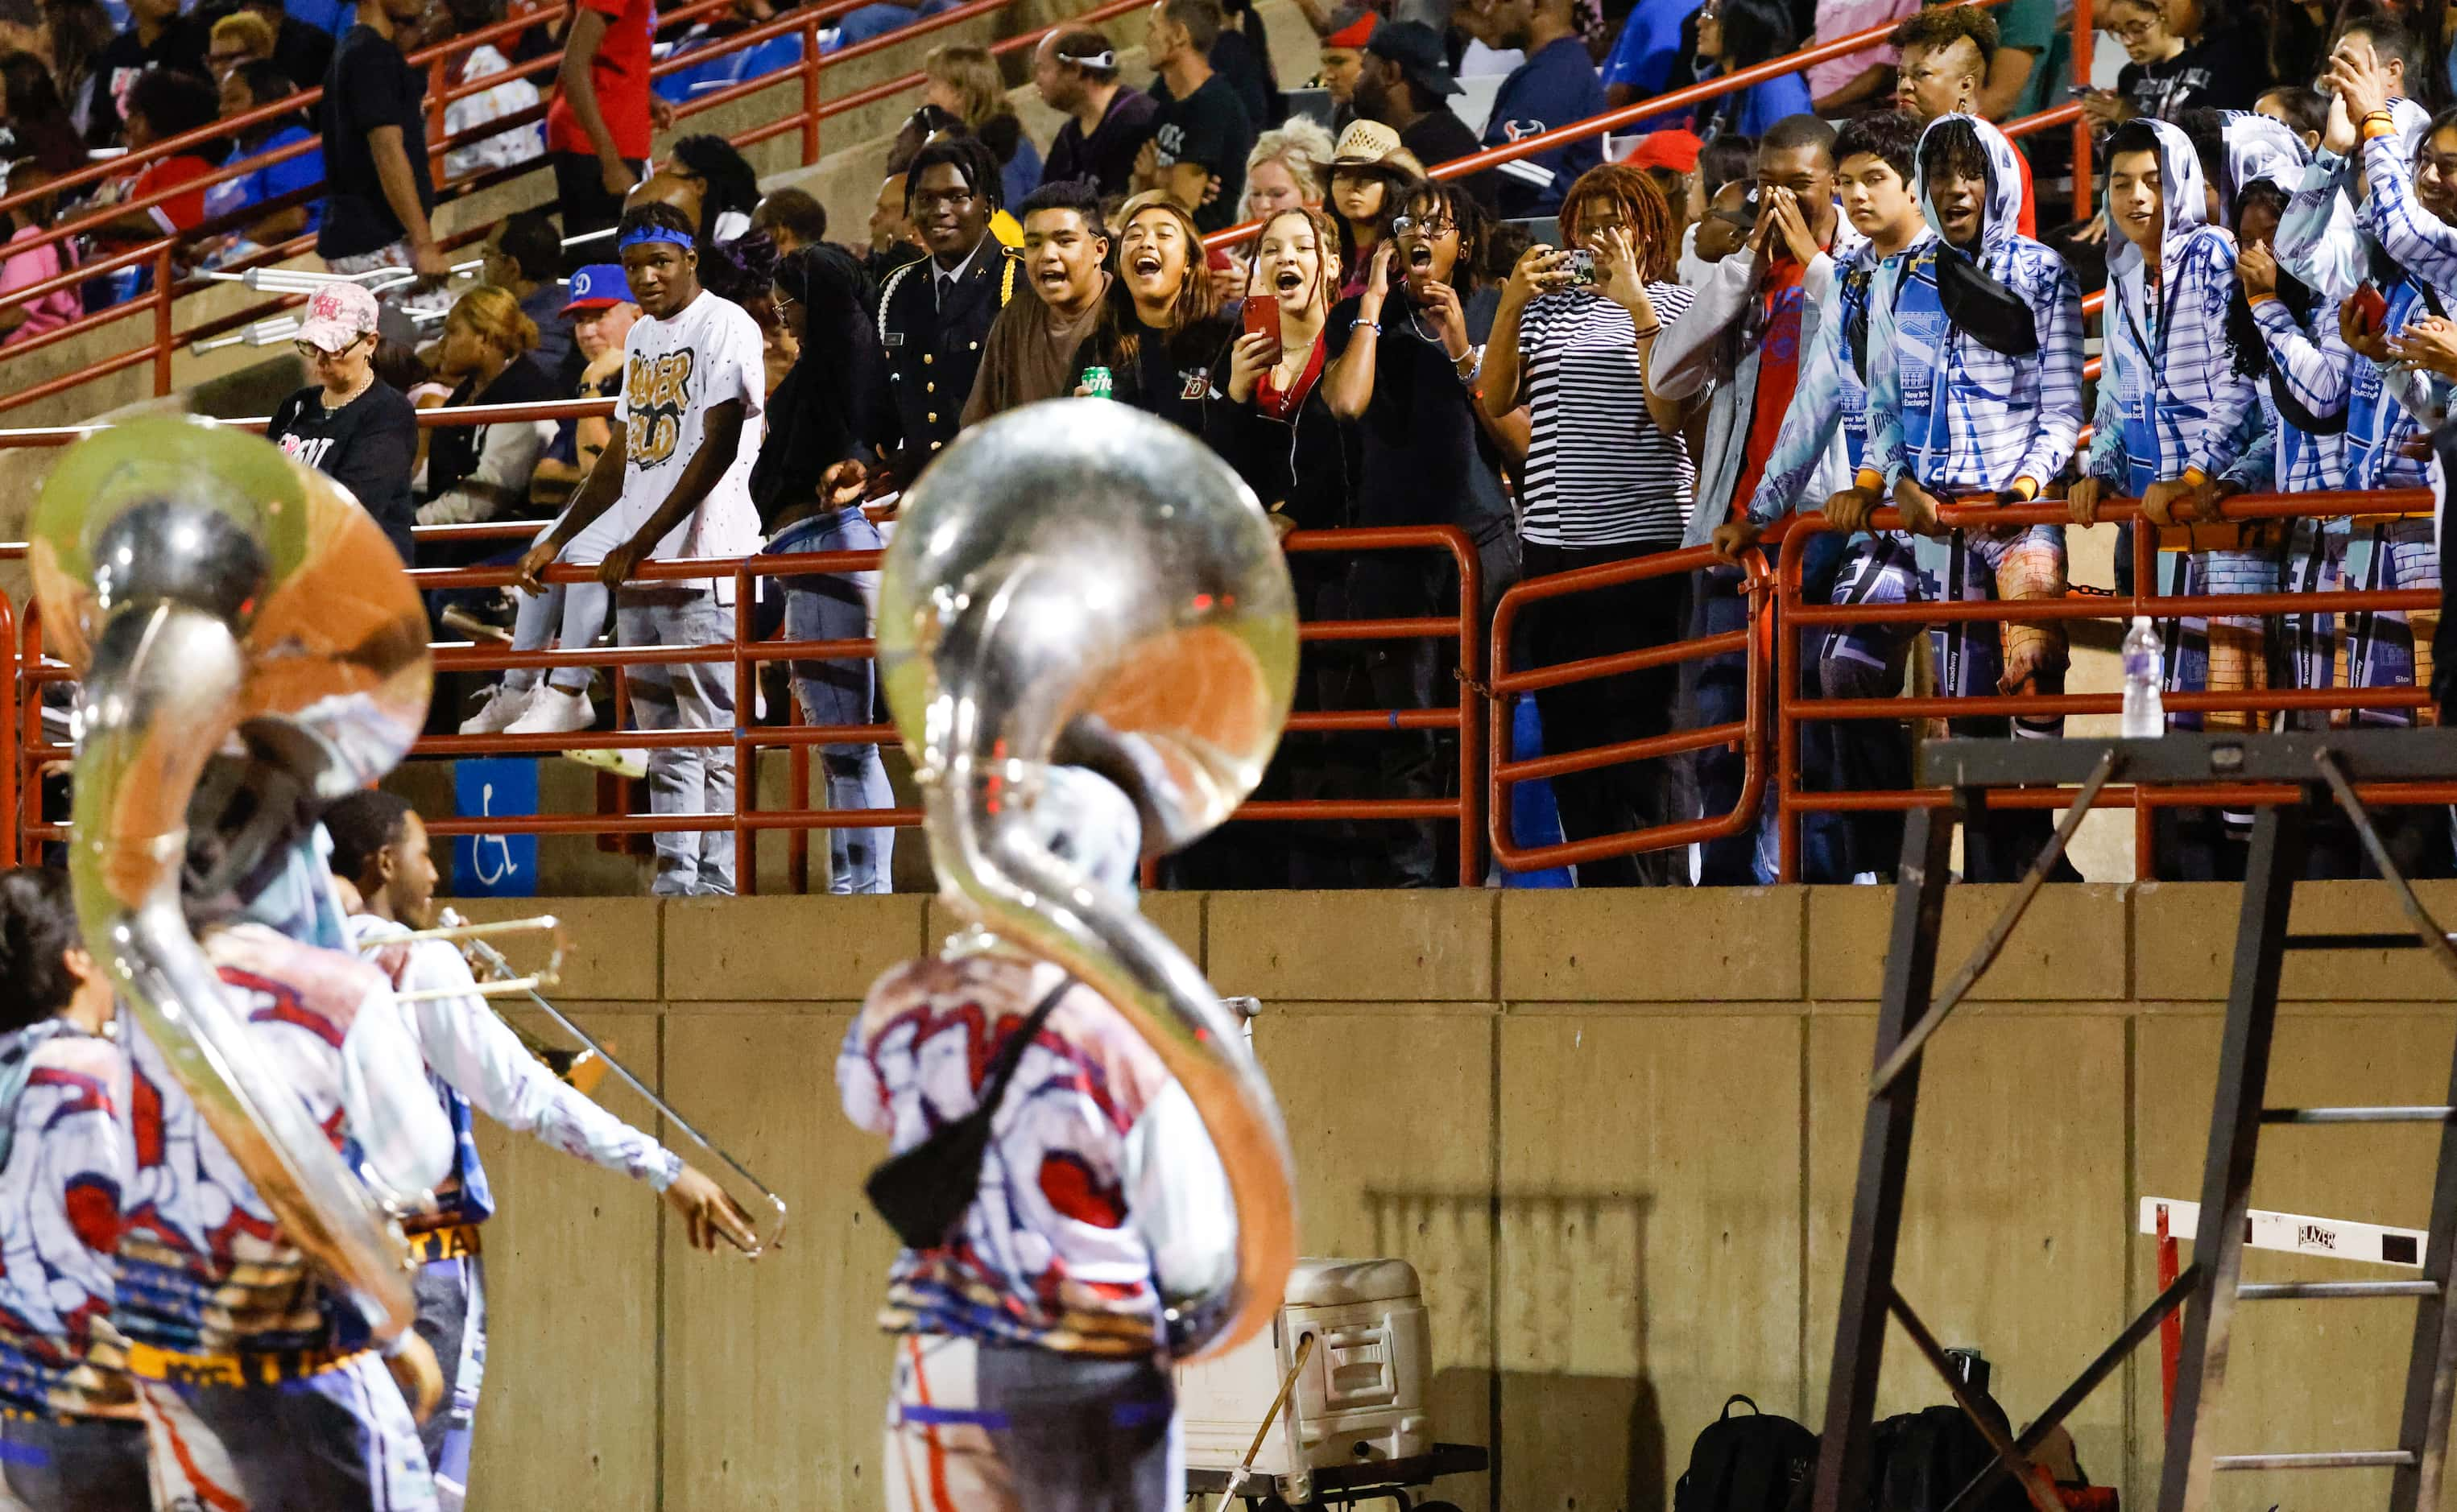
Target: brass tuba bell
[(1076, 583)]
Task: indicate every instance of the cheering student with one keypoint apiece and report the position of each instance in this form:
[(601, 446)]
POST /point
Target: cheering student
[(70, 1437), (1159, 335), (379, 849), (935, 314), (1033, 341), (677, 472), (1753, 317), (2410, 211), (1403, 359), (2170, 404), (2286, 340), (1947, 52), (1979, 395), (2321, 239), (1825, 436)]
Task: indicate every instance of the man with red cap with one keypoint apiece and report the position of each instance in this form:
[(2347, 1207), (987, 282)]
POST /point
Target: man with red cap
[(1669, 157), (1343, 60)]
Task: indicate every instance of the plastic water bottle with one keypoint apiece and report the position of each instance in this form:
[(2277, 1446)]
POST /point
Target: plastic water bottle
[(2145, 712)]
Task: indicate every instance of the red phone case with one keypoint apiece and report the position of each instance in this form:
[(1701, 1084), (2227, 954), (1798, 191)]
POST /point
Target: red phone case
[(1262, 316), (2373, 306)]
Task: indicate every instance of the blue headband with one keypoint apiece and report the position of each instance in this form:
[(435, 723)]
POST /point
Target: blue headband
[(639, 235)]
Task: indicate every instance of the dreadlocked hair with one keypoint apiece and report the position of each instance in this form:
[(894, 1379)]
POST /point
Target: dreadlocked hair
[(1478, 264), (1953, 145), (1654, 234)]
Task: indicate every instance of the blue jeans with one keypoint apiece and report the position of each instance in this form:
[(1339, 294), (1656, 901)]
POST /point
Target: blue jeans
[(878, 20), (684, 695), (835, 606)]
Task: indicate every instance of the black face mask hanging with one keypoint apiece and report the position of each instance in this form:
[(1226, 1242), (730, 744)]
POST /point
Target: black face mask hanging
[(1982, 308)]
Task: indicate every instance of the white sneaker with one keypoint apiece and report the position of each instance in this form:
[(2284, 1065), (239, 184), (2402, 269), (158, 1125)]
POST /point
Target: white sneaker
[(554, 712), (504, 705)]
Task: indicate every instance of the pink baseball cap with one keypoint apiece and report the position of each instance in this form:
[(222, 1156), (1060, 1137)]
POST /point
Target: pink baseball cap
[(337, 314)]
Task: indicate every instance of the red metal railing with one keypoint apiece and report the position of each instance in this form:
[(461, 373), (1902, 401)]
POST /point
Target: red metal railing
[(1795, 617), (25, 749), (1507, 682)]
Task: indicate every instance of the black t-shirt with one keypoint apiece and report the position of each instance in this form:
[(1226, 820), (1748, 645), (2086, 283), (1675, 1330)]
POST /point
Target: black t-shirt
[(1209, 126), (452, 454), (1247, 69), (1171, 376), (1426, 460), (368, 446), (2222, 71), (1439, 135), (116, 68), (369, 85), (1107, 156)]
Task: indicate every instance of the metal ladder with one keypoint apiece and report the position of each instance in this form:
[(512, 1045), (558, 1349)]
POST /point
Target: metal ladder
[(2322, 768)]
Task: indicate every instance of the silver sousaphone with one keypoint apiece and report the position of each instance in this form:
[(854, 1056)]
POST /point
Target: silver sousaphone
[(232, 611), (1078, 583)]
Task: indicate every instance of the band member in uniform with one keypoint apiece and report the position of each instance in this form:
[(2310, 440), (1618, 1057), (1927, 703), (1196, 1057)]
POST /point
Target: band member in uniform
[(380, 849), (260, 1386), (1031, 1366), (70, 1440), (935, 313)]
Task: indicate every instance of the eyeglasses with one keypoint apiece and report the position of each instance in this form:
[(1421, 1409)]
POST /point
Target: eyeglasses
[(1411, 226), (2133, 31), (311, 354)]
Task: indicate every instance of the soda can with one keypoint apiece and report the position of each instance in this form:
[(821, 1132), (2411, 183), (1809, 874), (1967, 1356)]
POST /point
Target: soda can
[(1098, 383)]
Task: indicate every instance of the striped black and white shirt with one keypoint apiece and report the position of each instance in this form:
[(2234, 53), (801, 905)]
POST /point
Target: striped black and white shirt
[(1599, 472)]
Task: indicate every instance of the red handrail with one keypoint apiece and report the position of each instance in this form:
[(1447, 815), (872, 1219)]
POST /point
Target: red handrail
[(29, 673), (1507, 773), (1795, 617)]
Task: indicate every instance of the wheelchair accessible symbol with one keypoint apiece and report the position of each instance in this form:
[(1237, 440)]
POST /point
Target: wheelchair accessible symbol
[(494, 864), (499, 844)]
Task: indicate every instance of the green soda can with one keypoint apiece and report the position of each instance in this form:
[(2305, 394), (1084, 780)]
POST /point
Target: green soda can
[(1098, 383)]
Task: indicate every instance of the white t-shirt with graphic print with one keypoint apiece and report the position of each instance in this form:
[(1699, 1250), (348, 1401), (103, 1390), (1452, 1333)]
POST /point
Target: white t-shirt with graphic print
[(676, 370)]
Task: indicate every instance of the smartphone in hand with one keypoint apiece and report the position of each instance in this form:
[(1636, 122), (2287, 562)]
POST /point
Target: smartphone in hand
[(1261, 317)]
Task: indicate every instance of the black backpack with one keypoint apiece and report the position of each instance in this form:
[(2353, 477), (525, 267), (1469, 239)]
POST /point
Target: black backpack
[(1745, 1464), (1924, 1459)]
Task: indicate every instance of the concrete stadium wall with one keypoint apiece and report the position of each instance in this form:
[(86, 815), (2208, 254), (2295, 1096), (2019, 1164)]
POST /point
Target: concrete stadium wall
[(1615, 1131)]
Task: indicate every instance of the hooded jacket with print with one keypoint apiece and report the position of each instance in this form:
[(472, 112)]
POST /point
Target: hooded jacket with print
[(2172, 403), (1830, 405), (1945, 409)]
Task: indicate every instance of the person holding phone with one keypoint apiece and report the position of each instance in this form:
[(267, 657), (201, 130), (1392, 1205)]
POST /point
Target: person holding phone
[(1607, 478), (1404, 358)]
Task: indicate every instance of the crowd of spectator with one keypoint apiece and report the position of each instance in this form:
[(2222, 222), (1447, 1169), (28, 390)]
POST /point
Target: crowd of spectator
[(1831, 290)]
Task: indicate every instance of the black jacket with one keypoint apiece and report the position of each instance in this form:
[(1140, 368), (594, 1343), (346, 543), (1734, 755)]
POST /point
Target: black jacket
[(933, 351)]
